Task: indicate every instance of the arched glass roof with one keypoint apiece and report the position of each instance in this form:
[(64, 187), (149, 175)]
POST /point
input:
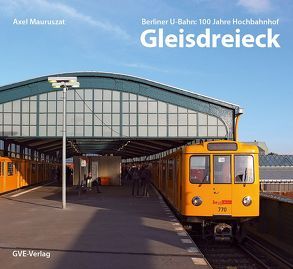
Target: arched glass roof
[(111, 106)]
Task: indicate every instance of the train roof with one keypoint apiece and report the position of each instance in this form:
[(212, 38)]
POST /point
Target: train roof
[(221, 146)]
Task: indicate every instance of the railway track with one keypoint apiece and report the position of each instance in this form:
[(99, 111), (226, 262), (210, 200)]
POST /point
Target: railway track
[(249, 254), (264, 255), (225, 255)]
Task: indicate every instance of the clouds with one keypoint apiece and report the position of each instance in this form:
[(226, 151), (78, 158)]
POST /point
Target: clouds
[(145, 67), (59, 9), (253, 6), (256, 6)]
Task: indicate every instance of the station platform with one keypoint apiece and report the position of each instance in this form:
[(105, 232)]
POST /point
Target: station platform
[(111, 229)]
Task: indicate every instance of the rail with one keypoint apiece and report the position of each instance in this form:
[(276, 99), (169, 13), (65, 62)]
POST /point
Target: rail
[(224, 254), (250, 253), (263, 255)]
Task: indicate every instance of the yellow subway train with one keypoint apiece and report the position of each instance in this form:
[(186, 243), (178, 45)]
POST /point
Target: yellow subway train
[(212, 183), (17, 173)]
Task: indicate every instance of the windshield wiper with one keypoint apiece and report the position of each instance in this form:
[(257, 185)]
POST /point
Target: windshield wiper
[(204, 178), (244, 177)]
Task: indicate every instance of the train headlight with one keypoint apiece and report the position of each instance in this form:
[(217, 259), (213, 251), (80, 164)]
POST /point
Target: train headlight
[(247, 201), (196, 201)]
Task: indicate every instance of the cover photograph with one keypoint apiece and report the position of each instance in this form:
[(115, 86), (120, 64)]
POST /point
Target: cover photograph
[(146, 134)]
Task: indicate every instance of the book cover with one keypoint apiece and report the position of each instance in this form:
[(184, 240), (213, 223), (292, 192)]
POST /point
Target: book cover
[(138, 80)]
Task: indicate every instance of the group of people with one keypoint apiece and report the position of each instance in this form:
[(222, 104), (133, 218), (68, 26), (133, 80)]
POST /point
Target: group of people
[(140, 176), (88, 183), (56, 174)]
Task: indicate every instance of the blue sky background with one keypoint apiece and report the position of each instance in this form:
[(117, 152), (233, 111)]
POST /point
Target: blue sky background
[(104, 35)]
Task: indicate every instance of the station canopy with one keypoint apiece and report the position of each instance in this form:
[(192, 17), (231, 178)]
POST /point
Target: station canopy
[(110, 114)]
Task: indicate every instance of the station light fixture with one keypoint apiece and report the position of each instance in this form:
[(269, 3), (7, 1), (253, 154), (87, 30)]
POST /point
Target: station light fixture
[(74, 147), (64, 83), (61, 82), (241, 111), (123, 146)]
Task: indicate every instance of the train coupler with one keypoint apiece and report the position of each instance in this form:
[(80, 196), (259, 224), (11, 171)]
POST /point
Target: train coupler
[(223, 232)]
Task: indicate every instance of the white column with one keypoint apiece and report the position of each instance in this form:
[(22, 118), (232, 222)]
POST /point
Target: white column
[(64, 151)]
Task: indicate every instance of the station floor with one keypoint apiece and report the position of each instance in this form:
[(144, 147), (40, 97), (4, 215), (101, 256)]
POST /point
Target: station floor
[(112, 229)]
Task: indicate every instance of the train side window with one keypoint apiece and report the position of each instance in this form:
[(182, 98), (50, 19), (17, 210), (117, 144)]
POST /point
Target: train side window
[(244, 171), (10, 169), (222, 169), (199, 170)]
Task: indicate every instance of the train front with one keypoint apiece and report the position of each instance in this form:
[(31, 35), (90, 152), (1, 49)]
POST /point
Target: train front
[(221, 185)]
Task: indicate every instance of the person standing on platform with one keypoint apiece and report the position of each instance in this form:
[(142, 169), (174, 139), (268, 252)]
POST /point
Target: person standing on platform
[(88, 180), (125, 176), (146, 179), (135, 177), (96, 183)]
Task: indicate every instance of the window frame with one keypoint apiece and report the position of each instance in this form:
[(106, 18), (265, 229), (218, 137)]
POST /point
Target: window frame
[(10, 172), (222, 155), (209, 159), (172, 161), (245, 155)]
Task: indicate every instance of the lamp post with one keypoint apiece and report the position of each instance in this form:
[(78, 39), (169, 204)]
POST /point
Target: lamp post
[(64, 83)]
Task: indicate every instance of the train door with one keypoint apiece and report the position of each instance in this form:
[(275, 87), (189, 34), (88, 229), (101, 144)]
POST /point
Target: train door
[(17, 174), (160, 175), (174, 181), (34, 176), (45, 172), (20, 173), (11, 179), (198, 186), (156, 173), (163, 175), (222, 185), (23, 172), (170, 179), (2, 176), (28, 173), (39, 173), (177, 183), (246, 186)]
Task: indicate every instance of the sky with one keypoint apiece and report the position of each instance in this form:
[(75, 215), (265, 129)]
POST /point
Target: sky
[(104, 35)]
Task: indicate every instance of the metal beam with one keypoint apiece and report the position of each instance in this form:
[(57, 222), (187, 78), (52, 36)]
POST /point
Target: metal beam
[(43, 142), (145, 144)]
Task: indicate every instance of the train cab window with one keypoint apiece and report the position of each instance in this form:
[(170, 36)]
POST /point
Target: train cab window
[(10, 169), (199, 169), (222, 169), (244, 169)]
